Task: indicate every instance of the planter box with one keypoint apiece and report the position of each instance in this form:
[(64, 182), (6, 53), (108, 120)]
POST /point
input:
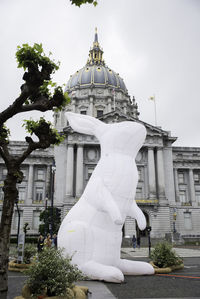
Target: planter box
[(167, 269)]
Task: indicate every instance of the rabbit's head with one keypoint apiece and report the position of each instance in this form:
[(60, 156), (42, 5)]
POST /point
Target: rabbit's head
[(125, 137)]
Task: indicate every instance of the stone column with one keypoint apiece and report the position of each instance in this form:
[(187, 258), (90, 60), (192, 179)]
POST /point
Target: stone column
[(176, 185), (109, 107), (91, 110), (30, 185), (160, 173), (192, 190), (70, 170), (152, 174), (125, 108), (79, 171), (73, 105)]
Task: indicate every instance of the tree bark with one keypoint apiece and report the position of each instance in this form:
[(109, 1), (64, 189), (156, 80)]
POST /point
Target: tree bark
[(10, 195)]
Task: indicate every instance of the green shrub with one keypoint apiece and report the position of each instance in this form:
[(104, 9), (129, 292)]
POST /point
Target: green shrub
[(52, 272), (164, 256), (29, 251)]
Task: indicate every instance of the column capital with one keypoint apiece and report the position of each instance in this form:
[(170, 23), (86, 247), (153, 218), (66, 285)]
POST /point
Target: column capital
[(70, 145), (159, 148)]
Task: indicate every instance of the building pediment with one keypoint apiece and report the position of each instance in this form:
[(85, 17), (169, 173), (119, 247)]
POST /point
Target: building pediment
[(155, 135)]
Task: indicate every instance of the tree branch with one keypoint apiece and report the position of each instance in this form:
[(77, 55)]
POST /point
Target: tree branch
[(4, 153), (31, 147), (14, 108)]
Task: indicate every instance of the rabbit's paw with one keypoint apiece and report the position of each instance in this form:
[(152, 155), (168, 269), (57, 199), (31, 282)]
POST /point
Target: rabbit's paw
[(99, 271), (135, 268)]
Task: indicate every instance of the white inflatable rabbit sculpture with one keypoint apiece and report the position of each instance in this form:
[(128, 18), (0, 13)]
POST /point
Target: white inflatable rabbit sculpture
[(92, 230)]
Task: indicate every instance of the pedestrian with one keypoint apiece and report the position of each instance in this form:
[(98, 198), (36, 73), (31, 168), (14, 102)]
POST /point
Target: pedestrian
[(40, 243), (54, 241), (48, 241), (138, 242), (134, 242)]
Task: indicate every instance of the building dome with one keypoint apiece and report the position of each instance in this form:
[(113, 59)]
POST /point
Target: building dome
[(96, 73)]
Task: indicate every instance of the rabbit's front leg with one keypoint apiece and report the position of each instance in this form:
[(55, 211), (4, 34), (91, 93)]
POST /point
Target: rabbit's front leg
[(108, 203), (136, 212)]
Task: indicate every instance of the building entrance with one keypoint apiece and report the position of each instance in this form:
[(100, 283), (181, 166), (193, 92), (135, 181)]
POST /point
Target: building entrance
[(142, 233)]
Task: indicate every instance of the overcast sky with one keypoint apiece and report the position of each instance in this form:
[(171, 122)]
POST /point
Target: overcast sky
[(153, 44)]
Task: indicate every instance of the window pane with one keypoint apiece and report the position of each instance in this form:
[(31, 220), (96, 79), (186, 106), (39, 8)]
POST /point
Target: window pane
[(197, 196), (182, 196), (181, 177), (139, 193), (4, 172), (36, 219), (90, 171), (40, 174), (24, 174), (22, 194), (196, 177), (83, 112), (188, 221), (39, 194), (99, 113)]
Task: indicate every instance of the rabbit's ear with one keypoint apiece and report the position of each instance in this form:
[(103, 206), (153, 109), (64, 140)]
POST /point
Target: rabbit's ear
[(84, 124)]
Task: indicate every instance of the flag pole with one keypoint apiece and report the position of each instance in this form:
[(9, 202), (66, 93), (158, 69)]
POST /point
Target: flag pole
[(153, 98), (155, 110)]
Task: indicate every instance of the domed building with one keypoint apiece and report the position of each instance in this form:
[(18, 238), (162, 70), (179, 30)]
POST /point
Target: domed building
[(168, 189)]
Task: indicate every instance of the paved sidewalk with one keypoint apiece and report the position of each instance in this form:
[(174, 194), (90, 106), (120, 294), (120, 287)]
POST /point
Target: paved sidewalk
[(144, 252), (100, 290)]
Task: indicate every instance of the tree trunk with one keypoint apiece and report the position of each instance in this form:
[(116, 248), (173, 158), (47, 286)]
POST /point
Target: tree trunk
[(10, 195)]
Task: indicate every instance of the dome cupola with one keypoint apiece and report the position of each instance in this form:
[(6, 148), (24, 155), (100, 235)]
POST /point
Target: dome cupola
[(95, 73)]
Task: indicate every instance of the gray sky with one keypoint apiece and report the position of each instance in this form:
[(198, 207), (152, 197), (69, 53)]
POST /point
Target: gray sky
[(154, 45)]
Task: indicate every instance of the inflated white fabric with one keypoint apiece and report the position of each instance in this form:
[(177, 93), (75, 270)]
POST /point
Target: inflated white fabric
[(92, 230)]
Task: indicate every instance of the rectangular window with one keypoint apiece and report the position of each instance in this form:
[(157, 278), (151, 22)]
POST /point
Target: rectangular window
[(16, 218), (140, 175), (197, 196), (181, 179), (40, 174), (24, 174), (139, 193), (39, 191), (197, 177), (90, 171), (22, 194), (182, 196), (83, 112), (99, 113), (4, 173), (36, 219), (187, 221)]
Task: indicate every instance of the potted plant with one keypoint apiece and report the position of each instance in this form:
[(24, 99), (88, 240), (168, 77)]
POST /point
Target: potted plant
[(164, 258), (52, 275)]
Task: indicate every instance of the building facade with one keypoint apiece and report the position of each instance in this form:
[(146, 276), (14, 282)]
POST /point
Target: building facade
[(168, 190), (34, 191), (169, 177)]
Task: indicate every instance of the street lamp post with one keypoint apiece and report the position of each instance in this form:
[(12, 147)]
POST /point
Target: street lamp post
[(53, 170), (149, 238), (174, 220), (18, 226), (46, 222)]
